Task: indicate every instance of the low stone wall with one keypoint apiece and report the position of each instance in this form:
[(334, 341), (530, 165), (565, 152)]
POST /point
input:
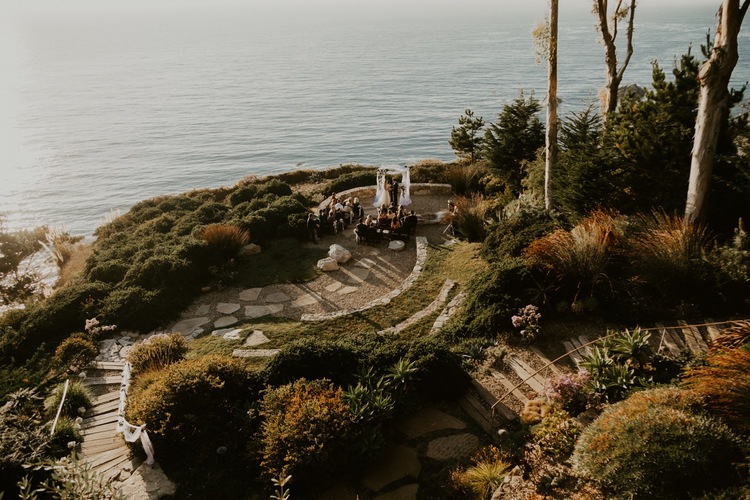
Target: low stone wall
[(367, 194)]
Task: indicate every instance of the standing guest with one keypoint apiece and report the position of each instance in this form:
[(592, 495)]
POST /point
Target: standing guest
[(312, 227)]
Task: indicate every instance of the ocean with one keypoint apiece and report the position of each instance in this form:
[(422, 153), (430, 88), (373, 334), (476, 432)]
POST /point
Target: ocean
[(103, 108)]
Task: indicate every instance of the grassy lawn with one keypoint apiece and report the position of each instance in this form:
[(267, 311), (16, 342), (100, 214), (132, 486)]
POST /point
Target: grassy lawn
[(458, 262), (281, 261)]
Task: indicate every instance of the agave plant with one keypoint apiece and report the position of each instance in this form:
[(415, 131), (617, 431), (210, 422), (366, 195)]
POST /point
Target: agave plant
[(632, 347), (400, 374), (597, 361)]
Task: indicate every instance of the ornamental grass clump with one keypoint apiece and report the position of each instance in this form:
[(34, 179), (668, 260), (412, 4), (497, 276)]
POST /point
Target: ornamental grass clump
[(470, 219), (724, 381), (657, 444), (488, 469), (157, 352), (77, 397), (225, 239)]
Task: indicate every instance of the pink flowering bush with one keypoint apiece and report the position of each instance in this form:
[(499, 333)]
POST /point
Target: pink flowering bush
[(571, 392), (528, 321)]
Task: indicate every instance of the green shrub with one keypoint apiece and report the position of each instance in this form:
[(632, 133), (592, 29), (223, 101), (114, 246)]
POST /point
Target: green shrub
[(243, 194), (274, 186), (108, 272), (76, 350), (54, 319), (78, 396), (305, 432), (312, 359), (67, 435), (349, 181), (71, 478), (493, 296), (157, 352), (160, 271), (225, 239), (195, 404), (513, 234), (654, 445), (556, 435), (429, 171), (137, 308)]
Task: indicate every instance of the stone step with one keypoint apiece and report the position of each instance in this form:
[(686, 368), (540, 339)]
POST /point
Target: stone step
[(526, 373), (509, 386)]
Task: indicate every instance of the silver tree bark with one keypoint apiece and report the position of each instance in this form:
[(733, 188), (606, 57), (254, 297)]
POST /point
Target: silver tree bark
[(609, 38), (551, 137), (713, 107)]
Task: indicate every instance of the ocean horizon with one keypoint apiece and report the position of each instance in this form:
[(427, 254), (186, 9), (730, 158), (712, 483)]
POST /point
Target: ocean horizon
[(103, 109)]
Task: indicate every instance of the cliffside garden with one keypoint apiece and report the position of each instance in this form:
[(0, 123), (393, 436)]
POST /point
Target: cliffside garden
[(613, 254)]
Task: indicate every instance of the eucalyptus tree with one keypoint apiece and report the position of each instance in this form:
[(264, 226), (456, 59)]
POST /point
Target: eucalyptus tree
[(608, 26), (714, 104)]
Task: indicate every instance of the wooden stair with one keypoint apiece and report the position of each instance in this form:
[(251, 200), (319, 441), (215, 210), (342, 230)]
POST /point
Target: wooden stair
[(105, 451)]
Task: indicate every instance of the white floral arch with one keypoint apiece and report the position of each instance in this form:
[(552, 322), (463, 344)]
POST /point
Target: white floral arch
[(382, 196)]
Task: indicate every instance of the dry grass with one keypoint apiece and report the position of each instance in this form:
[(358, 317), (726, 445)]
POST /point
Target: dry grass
[(75, 264), (226, 239)]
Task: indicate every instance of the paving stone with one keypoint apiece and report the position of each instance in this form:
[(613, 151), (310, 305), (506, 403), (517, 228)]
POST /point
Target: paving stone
[(250, 294), (396, 462), (334, 286), (188, 325), (275, 298), (123, 341), (406, 492), (203, 309), (258, 311), (255, 338), (125, 351), (359, 275), (147, 483), (227, 308), (254, 353), (225, 321), (451, 447), (227, 333), (428, 420), (347, 290), (305, 300)]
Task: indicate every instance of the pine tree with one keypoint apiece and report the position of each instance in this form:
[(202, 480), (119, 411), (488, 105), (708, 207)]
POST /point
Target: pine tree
[(465, 139)]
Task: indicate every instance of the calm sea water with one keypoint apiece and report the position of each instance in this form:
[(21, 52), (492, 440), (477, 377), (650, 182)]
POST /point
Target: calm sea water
[(102, 110)]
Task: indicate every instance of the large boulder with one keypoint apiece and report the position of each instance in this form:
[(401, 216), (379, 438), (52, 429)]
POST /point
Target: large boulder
[(328, 264), (339, 253), (247, 250)]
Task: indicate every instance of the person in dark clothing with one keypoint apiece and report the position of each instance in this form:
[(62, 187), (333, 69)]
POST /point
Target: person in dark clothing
[(394, 192), (312, 227)]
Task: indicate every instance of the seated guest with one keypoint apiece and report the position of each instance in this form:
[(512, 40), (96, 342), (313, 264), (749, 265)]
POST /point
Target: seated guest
[(401, 214), (360, 232), (383, 219), (349, 212), (368, 221)]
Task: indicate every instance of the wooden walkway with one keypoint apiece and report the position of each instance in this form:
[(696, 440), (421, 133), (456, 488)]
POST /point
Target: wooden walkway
[(492, 398), (106, 452)]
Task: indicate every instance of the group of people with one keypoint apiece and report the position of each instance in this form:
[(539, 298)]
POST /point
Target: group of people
[(396, 221), (334, 217)]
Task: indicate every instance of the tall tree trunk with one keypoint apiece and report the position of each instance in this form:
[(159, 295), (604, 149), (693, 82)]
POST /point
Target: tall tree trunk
[(609, 37), (551, 140), (713, 107)]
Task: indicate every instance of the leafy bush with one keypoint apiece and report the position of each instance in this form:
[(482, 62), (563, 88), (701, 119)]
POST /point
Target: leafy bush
[(67, 436), (306, 425), (70, 478), (630, 446), (77, 350), (140, 309), (243, 194), (429, 171), (78, 396), (313, 359), (195, 404), (157, 352), (724, 381), (514, 232), (274, 186), (225, 239)]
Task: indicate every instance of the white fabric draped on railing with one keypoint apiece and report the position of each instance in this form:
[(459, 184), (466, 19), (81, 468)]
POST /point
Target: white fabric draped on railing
[(131, 432)]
